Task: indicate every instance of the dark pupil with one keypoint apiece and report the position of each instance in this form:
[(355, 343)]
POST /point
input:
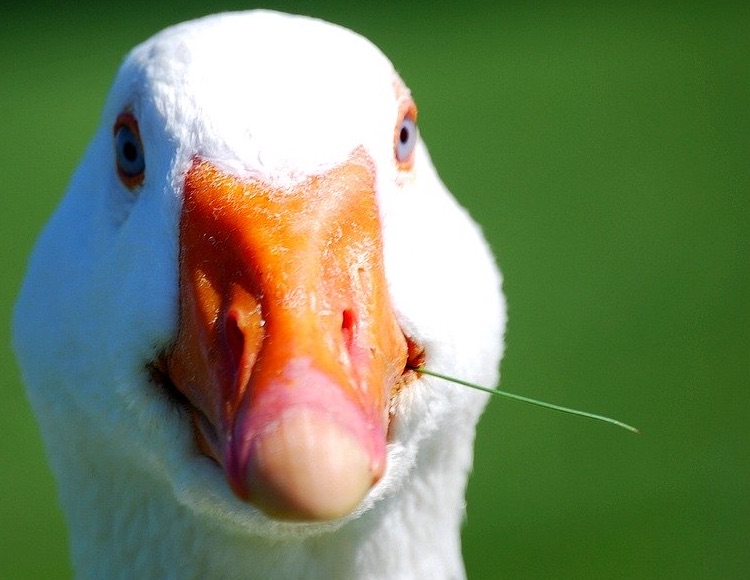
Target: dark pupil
[(130, 151), (403, 136)]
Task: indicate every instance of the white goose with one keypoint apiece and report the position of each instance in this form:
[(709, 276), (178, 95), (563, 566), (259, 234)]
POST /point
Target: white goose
[(217, 323)]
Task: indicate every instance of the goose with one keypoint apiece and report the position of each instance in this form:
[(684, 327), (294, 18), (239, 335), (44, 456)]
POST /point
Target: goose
[(221, 326)]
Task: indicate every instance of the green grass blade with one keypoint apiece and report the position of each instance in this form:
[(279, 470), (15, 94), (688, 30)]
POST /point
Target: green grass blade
[(529, 400)]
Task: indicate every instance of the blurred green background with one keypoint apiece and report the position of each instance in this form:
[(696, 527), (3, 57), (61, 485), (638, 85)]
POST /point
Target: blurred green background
[(606, 151)]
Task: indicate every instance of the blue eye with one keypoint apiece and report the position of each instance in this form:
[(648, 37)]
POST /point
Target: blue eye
[(406, 140), (129, 154)]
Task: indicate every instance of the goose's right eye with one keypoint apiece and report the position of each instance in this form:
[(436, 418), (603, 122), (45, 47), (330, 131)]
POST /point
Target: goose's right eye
[(129, 154), (406, 136)]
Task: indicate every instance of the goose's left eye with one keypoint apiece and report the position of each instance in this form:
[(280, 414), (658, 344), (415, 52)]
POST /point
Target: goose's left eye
[(129, 154), (406, 139)]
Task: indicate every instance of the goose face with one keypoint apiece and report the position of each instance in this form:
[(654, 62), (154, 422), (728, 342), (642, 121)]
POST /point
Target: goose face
[(252, 252)]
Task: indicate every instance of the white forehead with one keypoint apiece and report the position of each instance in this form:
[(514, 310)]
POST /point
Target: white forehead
[(264, 90)]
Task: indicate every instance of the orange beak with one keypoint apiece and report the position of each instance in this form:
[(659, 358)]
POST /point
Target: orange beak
[(288, 347)]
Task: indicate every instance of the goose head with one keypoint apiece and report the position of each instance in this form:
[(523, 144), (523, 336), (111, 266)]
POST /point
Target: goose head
[(219, 324)]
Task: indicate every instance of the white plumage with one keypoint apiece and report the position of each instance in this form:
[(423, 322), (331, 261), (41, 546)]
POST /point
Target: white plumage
[(272, 99)]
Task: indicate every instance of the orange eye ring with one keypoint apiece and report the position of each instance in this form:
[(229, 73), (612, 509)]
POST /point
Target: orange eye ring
[(129, 154)]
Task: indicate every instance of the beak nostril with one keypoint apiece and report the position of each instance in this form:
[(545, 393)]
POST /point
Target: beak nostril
[(348, 327), (235, 338), (243, 337)]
